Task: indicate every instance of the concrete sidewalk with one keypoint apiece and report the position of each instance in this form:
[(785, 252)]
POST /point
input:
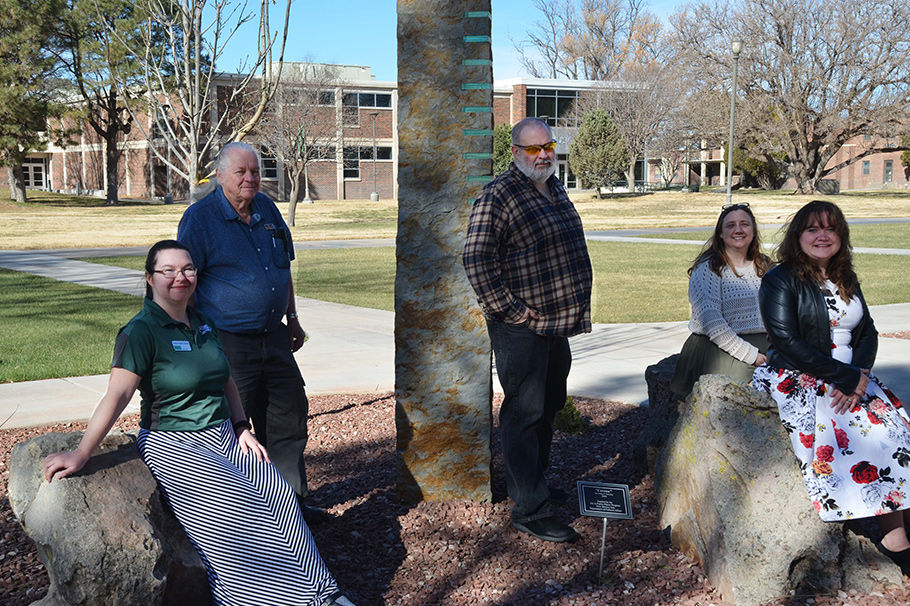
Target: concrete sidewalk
[(351, 350)]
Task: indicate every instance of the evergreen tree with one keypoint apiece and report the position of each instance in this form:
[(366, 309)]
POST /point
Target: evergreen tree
[(502, 148), (26, 68), (81, 51), (598, 154)]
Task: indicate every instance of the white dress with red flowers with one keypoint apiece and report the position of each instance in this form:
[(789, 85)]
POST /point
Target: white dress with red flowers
[(857, 464)]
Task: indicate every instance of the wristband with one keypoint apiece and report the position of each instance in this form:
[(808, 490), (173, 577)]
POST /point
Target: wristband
[(239, 426)]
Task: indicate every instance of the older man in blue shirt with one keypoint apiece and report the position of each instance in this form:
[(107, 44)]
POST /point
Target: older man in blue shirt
[(242, 249)]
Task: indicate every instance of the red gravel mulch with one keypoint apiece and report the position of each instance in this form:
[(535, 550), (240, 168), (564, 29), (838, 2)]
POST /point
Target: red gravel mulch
[(896, 335), (457, 553)]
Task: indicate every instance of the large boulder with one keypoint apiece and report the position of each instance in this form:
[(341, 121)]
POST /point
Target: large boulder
[(104, 534), (729, 489), (663, 406)]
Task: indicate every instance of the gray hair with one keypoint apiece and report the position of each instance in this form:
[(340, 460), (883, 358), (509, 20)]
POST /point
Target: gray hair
[(221, 162), (519, 128)]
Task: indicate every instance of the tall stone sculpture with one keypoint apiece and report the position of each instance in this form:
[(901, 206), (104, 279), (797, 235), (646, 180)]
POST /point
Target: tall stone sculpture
[(442, 354)]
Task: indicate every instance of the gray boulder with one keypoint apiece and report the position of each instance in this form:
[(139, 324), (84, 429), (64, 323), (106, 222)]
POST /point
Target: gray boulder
[(104, 534), (729, 489), (663, 407)]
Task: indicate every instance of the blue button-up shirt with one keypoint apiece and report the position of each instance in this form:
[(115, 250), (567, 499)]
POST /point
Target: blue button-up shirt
[(244, 270)]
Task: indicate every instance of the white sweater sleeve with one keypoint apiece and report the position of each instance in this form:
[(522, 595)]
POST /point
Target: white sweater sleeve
[(705, 296)]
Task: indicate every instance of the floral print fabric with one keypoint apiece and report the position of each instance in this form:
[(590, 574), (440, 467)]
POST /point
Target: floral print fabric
[(856, 464)]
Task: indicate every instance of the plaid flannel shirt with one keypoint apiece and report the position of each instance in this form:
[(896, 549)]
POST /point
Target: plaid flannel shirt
[(523, 251)]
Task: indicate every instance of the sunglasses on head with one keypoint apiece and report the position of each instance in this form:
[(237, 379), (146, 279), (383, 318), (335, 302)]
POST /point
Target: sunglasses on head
[(533, 150), (737, 205)]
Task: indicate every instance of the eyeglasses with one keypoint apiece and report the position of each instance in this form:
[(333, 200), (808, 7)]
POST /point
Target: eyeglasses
[(737, 205), (170, 274), (533, 150)]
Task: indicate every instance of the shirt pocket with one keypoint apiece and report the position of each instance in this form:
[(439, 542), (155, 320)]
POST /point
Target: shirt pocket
[(281, 253)]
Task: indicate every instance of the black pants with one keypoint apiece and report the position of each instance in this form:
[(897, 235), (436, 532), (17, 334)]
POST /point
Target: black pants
[(532, 370), (273, 396)]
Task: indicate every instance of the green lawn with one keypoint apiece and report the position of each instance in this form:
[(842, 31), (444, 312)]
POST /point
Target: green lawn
[(56, 329), (633, 282)]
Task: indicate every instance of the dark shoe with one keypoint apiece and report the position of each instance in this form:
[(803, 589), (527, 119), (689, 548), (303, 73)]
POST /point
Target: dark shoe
[(547, 529), (337, 599), (901, 558), (313, 516), (558, 496)]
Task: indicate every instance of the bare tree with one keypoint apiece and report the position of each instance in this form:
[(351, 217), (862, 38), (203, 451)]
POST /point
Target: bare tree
[(194, 108), (300, 127), (587, 39), (640, 104), (673, 147), (813, 75)]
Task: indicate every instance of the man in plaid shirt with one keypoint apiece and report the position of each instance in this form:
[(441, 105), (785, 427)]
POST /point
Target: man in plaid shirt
[(526, 258)]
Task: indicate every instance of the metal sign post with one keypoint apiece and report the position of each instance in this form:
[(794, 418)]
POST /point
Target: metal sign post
[(604, 501)]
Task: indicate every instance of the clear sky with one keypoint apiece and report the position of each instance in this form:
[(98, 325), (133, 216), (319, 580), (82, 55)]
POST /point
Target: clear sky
[(363, 32)]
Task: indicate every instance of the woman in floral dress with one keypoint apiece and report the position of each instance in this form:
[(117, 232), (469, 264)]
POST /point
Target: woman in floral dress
[(849, 432)]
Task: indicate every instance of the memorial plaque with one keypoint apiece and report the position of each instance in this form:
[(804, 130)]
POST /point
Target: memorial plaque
[(604, 500)]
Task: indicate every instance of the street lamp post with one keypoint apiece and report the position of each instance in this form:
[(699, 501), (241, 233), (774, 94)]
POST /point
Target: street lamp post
[(737, 47), (375, 195)]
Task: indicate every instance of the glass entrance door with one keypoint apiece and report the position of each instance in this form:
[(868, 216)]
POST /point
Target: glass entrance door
[(34, 173)]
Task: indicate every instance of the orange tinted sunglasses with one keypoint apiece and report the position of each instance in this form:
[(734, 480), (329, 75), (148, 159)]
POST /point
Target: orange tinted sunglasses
[(533, 150)]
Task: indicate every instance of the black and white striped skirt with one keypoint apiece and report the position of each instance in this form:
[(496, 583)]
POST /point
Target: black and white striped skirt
[(241, 516)]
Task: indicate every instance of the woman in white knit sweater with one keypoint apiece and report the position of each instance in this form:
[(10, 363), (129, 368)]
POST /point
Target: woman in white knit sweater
[(728, 337)]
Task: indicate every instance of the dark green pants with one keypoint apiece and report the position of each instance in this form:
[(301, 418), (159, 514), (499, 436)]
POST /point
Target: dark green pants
[(700, 356)]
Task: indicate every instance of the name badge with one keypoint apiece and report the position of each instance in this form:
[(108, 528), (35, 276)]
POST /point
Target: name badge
[(181, 345)]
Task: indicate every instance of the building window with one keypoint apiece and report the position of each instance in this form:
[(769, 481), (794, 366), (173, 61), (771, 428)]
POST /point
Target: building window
[(160, 125), (269, 164), (865, 167), (889, 171), (354, 155), (374, 99), (382, 153), (557, 107), (33, 171), (326, 97), (351, 162), (324, 152), (350, 110), (352, 102)]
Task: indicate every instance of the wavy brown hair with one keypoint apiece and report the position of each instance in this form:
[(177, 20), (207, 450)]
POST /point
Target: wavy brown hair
[(715, 251), (840, 267)]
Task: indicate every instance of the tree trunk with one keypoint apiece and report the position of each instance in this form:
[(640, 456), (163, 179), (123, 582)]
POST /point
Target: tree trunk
[(112, 162), (806, 178), (16, 181), (292, 201), (630, 176)]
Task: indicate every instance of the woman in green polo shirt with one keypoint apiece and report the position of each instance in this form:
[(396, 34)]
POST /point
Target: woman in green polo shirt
[(238, 512)]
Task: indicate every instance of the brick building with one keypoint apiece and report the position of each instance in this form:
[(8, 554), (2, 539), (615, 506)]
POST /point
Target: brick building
[(354, 105), (359, 106)]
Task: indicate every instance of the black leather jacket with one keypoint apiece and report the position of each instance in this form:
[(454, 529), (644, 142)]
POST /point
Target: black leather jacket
[(799, 330)]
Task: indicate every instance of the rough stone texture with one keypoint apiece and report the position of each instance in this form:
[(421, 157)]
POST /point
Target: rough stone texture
[(729, 489), (442, 353), (664, 406), (104, 535)]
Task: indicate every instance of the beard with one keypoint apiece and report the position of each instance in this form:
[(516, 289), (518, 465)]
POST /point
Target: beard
[(539, 174)]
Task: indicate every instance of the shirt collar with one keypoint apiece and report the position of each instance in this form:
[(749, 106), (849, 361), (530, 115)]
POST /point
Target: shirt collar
[(160, 316), (229, 214)]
